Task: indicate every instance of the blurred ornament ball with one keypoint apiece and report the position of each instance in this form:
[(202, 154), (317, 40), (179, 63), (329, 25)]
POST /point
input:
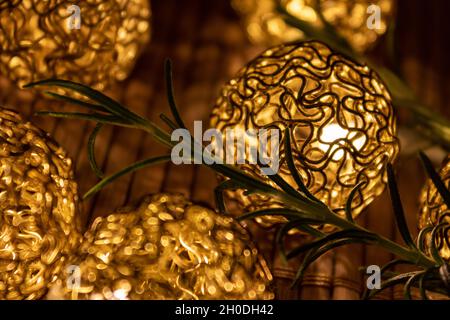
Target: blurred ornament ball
[(360, 22), (39, 209), (94, 42), (166, 248)]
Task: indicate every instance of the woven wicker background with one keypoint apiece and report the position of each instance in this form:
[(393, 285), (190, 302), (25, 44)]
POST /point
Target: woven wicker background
[(207, 45)]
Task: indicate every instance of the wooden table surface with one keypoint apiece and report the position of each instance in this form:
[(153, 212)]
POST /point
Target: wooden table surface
[(207, 45)]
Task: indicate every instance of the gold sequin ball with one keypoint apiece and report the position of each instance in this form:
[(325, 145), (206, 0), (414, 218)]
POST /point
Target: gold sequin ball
[(433, 210), (166, 248), (360, 22), (339, 115), (39, 220), (40, 39)]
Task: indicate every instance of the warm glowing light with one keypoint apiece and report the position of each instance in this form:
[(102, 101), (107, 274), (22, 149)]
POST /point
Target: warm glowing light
[(168, 248), (343, 130), (334, 132), (433, 210), (264, 25), (121, 294)]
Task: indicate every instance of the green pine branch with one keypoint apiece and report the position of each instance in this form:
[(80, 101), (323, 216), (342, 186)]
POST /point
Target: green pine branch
[(301, 209)]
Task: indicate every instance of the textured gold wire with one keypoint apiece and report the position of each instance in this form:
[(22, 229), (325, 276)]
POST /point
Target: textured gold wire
[(37, 43), (39, 220), (264, 25), (339, 114), (168, 248), (433, 210)]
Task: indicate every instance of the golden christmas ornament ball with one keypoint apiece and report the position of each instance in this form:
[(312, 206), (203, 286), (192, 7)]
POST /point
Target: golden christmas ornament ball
[(39, 220), (94, 42), (166, 248), (433, 210), (339, 114), (360, 22)]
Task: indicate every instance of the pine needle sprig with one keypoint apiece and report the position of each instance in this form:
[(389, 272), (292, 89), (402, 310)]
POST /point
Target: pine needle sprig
[(301, 209)]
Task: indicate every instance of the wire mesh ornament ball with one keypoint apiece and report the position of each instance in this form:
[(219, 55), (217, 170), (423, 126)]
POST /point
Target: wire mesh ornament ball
[(339, 115), (360, 22), (167, 248), (39, 220), (434, 211), (94, 42)]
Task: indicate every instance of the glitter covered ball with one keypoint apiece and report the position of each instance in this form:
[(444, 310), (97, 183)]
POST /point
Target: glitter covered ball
[(166, 248), (339, 115), (39, 220), (41, 40), (360, 22), (433, 211)]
